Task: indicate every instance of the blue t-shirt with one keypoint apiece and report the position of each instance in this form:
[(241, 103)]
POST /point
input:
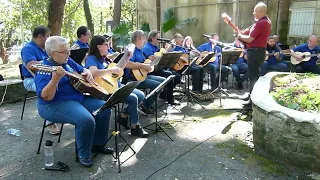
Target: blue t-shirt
[(305, 48), (79, 45), (149, 49), (137, 56), (31, 52), (65, 91), (208, 47)]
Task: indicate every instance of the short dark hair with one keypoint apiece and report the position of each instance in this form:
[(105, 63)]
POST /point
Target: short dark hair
[(82, 30), (40, 30), (271, 37), (152, 34)]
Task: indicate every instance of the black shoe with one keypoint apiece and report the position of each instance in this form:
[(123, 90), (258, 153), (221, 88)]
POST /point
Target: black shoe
[(247, 105), (101, 149), (123, 121), (138, 131), (239, 86), (85, 162), (246, 98)]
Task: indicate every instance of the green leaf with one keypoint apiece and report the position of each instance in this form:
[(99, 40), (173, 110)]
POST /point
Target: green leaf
[(145, 27), (168, 14), (186, 22), (169, 25)]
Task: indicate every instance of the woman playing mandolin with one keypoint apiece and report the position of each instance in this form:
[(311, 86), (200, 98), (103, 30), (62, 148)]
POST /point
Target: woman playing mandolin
[(97, 64), (60, 102)]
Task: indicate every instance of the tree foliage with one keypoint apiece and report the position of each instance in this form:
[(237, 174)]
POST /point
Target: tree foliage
[(171, 22)]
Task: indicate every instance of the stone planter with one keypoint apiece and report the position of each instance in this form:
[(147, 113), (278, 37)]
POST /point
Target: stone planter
[(287, 135)]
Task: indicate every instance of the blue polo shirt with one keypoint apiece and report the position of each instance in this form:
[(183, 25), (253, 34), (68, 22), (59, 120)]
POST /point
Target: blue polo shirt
[(31, 52), (80, 44), (241, 60), (65, 91), (305, 48), (149, 49), (180, 49), (208, 47), (137, 56)]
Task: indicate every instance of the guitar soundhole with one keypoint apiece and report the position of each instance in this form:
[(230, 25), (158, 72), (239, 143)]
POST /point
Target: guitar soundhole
[(304, 56), (114, 75)]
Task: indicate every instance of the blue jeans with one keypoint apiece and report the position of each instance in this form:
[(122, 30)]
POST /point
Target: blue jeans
[(133, 102), (279, 67), (240, 68), (89, 130), (151, 82)]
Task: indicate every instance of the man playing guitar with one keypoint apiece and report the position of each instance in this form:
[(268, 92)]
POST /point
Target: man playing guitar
[(273, 63), (255, 39), (307, 66), (213, 67), (149, 49), (32, 53), (97, 64)]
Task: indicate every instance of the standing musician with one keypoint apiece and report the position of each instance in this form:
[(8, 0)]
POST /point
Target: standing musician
[(197, 72), (60, 102), (34, 52), (138, 38), (255, 39), (213, 67), (311, 65), (83, 34), (149, 49), (97, 63), (241, 65), (273, 63)]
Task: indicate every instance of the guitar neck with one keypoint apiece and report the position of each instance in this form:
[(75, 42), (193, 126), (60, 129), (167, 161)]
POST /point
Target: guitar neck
[(156, 61), (312, 55)]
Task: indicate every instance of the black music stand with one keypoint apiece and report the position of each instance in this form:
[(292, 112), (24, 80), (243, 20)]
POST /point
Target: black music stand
[(187, 94), (226, 58), (78, 55), (157, 92), (168, 60), (206, 59), (120, 96)]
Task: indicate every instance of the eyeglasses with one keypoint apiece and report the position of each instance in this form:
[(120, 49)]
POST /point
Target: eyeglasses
[(67, 52), (104, 44)]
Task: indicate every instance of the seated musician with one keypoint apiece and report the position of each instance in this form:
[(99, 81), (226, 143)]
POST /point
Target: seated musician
[(149, 49), (276, 39), (213, 67), (197, 72), (311, 65), (273, 63), (97, 64), (60, 102), (138, 38), (34, 52), (241, 65), (83, 34)]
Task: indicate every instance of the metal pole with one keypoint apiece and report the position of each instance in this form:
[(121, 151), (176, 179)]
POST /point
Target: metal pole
[(21, 24)]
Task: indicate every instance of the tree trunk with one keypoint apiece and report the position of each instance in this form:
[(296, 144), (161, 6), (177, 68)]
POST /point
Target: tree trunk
[(158, 12), (283, 21), (88, 15), (116, 13), (55, 16)]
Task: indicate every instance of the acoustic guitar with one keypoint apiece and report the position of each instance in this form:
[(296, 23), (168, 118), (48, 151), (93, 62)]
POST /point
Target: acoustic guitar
[(110, 82), (305, 55), (183, 60), (287, 52), (141, 74), (77, 81)]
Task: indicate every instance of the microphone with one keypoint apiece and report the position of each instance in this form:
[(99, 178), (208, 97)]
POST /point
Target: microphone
[(163, 39)]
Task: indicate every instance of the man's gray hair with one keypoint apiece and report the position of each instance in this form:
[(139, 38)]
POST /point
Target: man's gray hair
[(152, 34), (136, 34), (53, 43)]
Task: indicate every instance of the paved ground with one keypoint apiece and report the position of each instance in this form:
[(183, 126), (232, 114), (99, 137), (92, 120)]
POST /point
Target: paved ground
[(208, 144)]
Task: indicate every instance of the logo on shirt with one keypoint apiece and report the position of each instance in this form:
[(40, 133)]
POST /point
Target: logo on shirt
[(69, 69)]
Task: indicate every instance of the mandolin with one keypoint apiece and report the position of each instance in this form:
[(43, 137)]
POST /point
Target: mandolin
[(110, 82), (77, 81)]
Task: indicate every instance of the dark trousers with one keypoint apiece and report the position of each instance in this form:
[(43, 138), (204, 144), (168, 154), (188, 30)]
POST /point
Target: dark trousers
[(168, 93), (197, 74), (304, 69), (256, 57)]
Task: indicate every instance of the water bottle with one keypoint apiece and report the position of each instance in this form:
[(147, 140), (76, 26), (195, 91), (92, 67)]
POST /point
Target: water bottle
[(14, 132), (48, 152)]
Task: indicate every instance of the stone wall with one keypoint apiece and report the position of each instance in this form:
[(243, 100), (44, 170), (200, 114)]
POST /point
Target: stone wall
[(15, 91), (284, 139)]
